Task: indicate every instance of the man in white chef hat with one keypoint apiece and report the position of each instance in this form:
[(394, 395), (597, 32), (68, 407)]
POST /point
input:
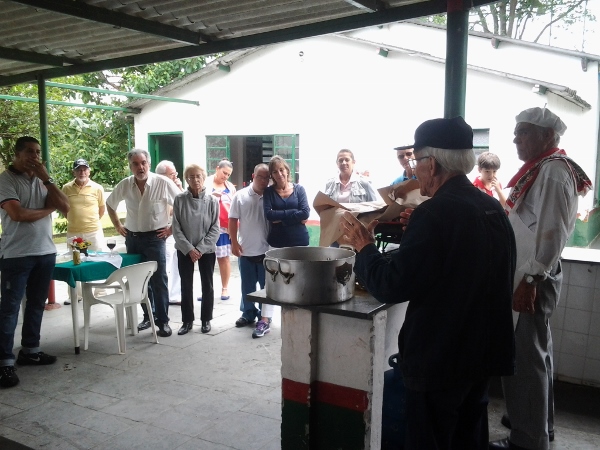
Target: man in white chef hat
[(542, 208)]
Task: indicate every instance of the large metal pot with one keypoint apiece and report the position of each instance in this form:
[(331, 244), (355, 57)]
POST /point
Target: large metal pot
[(309, 275)]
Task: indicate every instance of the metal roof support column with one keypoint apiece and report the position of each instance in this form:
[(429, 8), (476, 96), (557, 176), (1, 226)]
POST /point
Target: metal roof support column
[(43, 121), (457, 34)]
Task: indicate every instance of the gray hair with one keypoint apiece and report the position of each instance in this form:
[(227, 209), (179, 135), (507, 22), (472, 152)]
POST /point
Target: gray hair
[(191, 167), (458, 162), (138, 151), (161, 167)]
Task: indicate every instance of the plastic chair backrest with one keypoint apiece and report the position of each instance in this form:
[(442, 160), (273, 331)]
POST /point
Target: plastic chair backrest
[(134, 280)]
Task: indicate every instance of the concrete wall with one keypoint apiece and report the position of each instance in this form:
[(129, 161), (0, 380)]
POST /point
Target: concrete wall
[(340, 94)]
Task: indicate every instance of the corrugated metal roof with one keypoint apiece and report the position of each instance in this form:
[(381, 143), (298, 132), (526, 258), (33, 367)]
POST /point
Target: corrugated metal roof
[(55, 38)]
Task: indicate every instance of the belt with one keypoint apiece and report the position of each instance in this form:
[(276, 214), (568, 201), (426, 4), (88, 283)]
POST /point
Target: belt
[(142, 233)]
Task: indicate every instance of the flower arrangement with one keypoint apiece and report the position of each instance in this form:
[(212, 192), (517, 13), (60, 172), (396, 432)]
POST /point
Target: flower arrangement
[(80, 244)]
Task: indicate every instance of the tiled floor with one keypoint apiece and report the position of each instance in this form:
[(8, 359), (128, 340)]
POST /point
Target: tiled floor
[(221, 390)]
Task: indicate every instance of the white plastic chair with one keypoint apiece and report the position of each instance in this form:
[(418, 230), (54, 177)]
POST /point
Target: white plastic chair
[(132, 290)]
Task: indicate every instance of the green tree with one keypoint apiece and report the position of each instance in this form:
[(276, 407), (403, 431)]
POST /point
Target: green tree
[(99, 136), (511, 17), (515, 18)]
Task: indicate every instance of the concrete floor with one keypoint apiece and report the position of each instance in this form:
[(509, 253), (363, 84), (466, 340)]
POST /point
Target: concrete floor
[(221, 390)]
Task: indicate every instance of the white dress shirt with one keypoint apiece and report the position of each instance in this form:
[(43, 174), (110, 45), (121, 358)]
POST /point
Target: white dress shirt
[(147, 212)]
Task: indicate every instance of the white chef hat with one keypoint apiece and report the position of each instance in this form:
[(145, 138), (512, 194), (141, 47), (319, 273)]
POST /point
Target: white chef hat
[(544, 118)]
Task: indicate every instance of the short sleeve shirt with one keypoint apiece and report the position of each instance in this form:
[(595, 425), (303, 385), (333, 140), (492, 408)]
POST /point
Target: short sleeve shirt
[(146, 212), (84, 203), (21, 239), (253, 229)]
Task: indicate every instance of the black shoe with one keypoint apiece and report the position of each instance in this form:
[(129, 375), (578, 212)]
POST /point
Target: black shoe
[(504, 444), (506, 422), (35, 359), (144, 325), (8, 377), (164, 330), (242, 322), (205, 326), (185, 327), (173, 302)]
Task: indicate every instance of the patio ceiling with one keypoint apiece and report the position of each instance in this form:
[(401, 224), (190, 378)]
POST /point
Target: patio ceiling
[(55, 38)]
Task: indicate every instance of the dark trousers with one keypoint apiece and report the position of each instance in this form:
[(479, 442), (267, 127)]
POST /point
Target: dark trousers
[(206, 267), (29, 276), (152, 248), (452, 419)]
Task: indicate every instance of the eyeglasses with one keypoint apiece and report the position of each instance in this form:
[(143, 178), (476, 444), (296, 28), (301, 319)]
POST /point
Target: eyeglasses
[(405, 155), (194, 177), (413, 162)]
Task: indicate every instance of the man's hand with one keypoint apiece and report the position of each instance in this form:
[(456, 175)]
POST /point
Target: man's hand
[(164, 233), (405, 217), (194, 255), (39, 169), (121, 230), (355, 233), (524, 298), (236, 248), (178, 183)]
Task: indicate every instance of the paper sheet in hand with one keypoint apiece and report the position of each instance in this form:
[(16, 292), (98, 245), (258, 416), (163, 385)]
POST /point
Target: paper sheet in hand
[(406, 195)]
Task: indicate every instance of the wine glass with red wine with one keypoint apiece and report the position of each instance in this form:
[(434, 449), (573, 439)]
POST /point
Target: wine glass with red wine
[(111, 243)]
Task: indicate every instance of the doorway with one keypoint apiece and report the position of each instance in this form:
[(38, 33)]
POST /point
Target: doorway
[(167, 146), (247, 151)]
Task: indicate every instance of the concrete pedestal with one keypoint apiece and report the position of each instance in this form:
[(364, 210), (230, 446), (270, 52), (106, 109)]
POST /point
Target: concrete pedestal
[(333, 359)]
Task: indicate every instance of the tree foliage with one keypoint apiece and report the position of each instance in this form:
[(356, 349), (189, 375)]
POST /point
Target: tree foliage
[(529, 20), (99, 136), (512, 17)]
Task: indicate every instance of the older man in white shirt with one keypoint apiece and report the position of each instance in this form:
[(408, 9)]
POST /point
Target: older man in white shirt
[(542, 208), (147, 198)]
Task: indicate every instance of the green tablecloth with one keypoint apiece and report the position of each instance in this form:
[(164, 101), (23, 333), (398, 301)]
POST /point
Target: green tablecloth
[(90, 270)]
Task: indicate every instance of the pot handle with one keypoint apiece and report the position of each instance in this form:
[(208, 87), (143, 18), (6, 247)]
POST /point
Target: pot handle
[(272, 272), (287, 276)]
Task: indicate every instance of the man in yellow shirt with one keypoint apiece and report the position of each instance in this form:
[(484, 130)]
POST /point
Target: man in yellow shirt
[(87, 203), (87, 206)]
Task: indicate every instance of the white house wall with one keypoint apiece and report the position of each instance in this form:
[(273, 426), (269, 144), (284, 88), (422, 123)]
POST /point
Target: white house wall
[(342, 94)]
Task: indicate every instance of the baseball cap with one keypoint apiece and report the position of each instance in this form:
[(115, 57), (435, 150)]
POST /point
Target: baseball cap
[(447, 134), (80, 162)]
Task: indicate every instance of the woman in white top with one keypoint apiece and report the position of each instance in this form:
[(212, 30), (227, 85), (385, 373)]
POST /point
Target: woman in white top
[(349, 187)]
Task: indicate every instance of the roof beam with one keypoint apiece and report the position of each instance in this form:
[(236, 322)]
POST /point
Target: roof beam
[(271, 37), (106, 16), (365, 5), (35, 58)]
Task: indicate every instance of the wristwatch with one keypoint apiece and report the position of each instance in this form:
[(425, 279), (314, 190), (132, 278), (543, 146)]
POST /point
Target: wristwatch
[(49, 181), (531, 280)]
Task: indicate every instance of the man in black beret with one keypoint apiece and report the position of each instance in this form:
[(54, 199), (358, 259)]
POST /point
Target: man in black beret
[(455, 266)]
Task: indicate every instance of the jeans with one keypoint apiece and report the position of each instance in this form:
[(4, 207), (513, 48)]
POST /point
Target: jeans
[(251, 272), (152, 248), (29, 276), (206, 267)]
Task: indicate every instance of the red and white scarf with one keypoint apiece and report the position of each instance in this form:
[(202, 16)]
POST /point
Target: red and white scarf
[(527, 174)]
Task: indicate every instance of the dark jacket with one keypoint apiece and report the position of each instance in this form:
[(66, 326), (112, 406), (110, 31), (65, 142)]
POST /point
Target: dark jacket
[(455, 265)]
